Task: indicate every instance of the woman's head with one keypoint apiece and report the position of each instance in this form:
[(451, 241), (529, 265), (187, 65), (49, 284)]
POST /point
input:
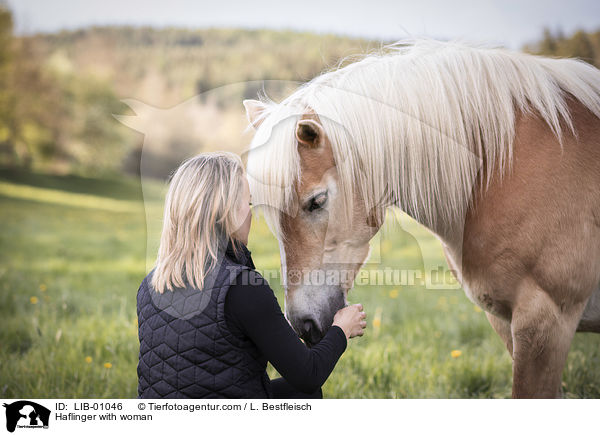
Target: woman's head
[(207, 204)]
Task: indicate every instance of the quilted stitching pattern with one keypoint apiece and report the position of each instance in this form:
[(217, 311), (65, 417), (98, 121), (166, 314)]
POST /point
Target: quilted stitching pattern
[(186, 349)]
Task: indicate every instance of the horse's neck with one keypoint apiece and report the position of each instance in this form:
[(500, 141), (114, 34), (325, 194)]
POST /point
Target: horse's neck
[(450, 234), (437, 195)]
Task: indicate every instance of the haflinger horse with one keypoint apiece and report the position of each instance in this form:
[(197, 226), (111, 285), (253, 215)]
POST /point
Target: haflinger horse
[(496, 152)]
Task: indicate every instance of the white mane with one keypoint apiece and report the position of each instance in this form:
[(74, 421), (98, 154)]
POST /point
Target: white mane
[(418, 118)]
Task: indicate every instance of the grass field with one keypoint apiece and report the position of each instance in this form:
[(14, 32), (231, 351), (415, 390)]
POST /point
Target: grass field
[(72, 256)]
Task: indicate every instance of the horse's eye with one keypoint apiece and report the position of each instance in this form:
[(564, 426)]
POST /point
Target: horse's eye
[(317, 202)]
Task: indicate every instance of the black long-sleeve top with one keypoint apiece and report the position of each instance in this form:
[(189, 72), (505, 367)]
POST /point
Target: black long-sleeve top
[(252, 310)]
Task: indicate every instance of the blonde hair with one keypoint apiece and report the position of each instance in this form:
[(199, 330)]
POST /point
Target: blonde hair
[(200, 216)]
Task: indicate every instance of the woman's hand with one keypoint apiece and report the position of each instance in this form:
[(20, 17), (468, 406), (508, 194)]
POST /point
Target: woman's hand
[(351, 320)]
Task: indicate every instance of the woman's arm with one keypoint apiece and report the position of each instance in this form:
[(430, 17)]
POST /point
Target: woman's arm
[(252, 308)]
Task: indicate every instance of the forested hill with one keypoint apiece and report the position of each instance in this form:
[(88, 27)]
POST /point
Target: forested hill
[(58, 92), (66, 86), (166, 66)]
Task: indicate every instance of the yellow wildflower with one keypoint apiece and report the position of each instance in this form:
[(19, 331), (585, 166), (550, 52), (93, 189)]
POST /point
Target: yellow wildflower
[(442, 304), (377, 321), (386, 246), (43, 287), (455, 353), (88, 359), (394, 293), (107, 365), (33, 300), (477, 309)]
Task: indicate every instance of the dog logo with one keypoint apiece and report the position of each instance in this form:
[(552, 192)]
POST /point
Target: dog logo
[(26, 414)]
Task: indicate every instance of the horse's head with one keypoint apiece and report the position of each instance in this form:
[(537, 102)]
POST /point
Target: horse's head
[(322, 246)]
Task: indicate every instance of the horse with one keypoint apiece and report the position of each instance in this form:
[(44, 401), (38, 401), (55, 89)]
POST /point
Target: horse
[(496, 152)]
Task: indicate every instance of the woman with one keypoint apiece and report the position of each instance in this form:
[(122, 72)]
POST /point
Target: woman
[(208, 321)]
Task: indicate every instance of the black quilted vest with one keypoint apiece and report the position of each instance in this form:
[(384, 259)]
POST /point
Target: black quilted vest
[(186, 348)]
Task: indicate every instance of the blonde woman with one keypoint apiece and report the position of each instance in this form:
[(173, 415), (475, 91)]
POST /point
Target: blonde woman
[(208, 321)]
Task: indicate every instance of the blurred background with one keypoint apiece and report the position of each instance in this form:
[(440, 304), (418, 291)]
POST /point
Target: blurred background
[(81, 215)]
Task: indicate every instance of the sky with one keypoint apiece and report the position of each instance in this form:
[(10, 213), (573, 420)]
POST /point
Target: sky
[(511, 23)]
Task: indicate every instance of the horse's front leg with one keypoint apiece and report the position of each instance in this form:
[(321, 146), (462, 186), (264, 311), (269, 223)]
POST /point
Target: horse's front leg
[(542, 332), (502, 328)]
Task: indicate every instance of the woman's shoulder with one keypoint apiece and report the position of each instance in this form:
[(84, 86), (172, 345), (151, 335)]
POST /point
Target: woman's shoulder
[(250, 277), (146, 281), (250, 299), (250, 287)]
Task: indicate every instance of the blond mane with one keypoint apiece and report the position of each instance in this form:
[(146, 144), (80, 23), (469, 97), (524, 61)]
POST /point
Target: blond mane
[(417, 119)]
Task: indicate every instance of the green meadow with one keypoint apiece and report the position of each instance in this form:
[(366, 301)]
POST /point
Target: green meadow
[(73, 251)]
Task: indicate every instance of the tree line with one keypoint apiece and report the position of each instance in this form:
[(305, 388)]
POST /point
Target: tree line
[(582, 45)]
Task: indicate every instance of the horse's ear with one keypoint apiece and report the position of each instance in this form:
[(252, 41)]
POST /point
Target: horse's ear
[(254, 109), (309, 133)]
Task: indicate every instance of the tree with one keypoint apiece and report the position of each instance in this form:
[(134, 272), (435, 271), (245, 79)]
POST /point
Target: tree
[(579, 45), (548, 45), (582, 45), (7, 96)]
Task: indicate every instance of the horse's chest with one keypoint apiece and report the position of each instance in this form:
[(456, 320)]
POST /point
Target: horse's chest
[(485, 287)]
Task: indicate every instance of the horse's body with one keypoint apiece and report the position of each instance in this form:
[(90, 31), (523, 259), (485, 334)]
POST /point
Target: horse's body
[(518, 212), (531, 250)]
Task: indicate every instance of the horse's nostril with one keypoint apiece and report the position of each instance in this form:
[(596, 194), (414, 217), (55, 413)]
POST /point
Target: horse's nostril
[(310, 331), (307, 326)]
